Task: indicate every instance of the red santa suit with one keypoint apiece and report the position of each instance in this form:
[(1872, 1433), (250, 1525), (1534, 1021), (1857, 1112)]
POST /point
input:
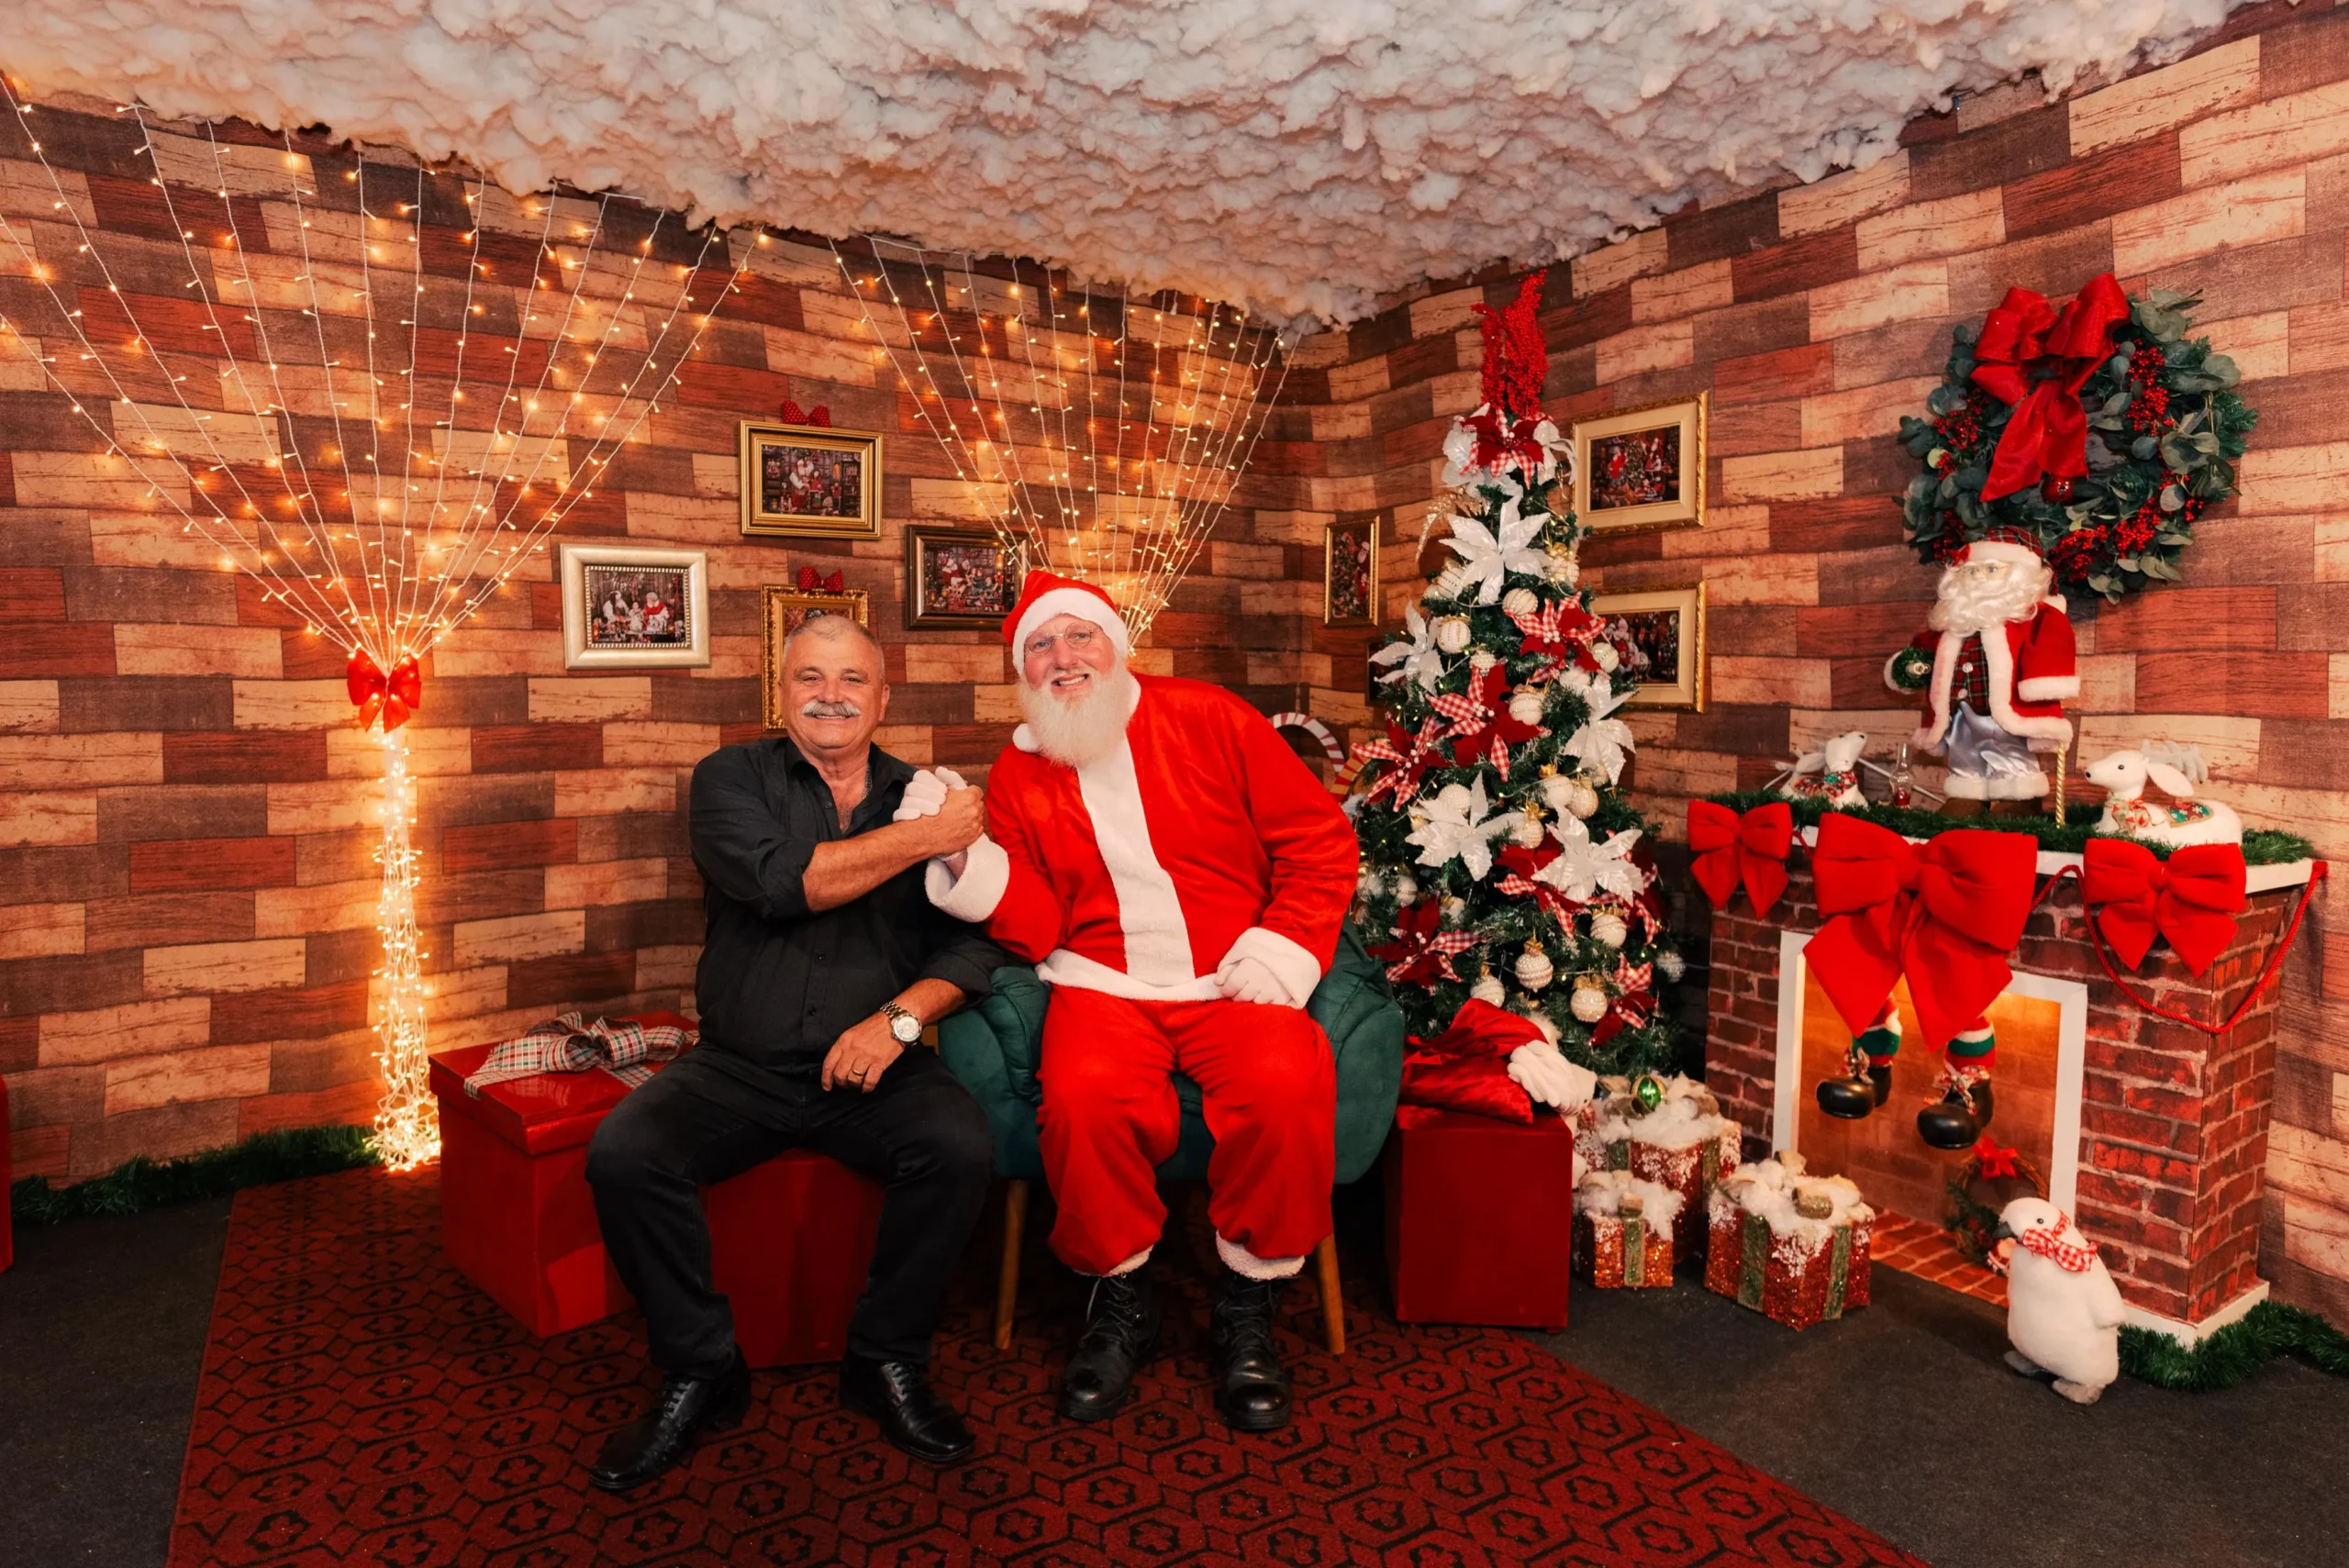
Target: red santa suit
[(1128, 883), (2015, 676)]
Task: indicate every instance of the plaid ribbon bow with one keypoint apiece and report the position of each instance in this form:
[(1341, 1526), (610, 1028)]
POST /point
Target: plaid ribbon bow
[(626, 1050), (1522, 880), (1636, 985), (1420, 953), (1481, 726), (2047, 1241), (1555, 630), (1411, 756)]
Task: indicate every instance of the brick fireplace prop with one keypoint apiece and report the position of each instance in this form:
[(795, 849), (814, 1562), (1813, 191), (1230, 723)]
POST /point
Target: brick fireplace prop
[(2172, 1122)]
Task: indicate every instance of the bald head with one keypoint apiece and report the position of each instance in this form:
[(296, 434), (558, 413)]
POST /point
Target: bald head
[(832, 628), (835, 688)]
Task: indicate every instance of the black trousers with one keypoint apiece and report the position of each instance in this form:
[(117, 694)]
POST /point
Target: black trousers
[(710, 1115)]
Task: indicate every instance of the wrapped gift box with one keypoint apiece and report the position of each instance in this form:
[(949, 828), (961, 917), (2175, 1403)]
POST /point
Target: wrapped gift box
[(1479, 1218), (791, 1239), (1623, 1230), (1790, 1245), (1685, 1143)]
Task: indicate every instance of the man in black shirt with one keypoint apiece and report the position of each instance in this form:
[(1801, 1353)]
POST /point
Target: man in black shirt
[(822, 963)]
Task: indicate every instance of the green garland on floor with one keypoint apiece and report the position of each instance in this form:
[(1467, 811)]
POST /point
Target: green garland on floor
[(2234, 1352), (142, 1184), (2261, 846)]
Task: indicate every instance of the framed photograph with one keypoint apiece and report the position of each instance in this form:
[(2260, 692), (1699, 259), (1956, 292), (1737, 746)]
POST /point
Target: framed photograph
[(630, 608), (810, 480), (1661, 634), (781, 611), (1642, 468), (1350, 573), (958, 579)]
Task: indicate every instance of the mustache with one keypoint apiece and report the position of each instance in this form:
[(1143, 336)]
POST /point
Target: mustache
[(817, 708)]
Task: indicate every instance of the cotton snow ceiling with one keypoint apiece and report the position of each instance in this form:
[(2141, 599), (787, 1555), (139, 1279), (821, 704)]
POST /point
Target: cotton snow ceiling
[(1302, 155)]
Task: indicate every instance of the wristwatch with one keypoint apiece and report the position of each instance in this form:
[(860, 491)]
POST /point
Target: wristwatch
[(904, 1027)]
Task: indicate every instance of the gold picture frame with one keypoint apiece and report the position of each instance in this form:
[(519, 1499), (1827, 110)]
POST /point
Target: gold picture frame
[(808, 481), (1662, 625), (780, 612), (961, 579), (1641, 469), (1350, 574)]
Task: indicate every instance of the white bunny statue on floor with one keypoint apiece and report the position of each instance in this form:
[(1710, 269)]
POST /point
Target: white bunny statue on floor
[(1830, 774), (2174, 769)]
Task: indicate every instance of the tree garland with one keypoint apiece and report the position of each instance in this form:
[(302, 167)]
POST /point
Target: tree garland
[(2234, 1352), (140, 1183), (2165, 428)]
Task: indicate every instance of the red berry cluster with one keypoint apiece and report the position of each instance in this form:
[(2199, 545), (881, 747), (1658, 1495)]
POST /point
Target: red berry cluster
[(2075, 553), (1958, 432), (2149, 400)]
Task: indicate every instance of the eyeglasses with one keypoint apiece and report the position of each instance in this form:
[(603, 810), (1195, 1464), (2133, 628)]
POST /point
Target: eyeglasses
[(1077, 639)]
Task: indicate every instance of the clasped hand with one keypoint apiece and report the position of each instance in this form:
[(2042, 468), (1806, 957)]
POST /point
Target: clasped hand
[(953, 812)]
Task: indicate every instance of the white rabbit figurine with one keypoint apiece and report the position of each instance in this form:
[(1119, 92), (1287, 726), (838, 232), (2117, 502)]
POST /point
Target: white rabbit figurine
[(2186, 820), (1832, 774)]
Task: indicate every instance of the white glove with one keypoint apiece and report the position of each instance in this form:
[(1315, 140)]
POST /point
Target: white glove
[(1537, 1069), (1252, 980), (926, 791)]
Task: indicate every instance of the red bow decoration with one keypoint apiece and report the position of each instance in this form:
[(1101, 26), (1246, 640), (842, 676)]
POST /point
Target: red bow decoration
[(1522, 863), (1409, 756), (2047, 1241), (1729, 848), (2192, 900), (1420, 953), (1480, 722), (376, 695), (1636, 985), (1557, 628), (2037, 359), (1990, 1160), (820, 416), (810, 581), (1945, 912), (1465, 1068)]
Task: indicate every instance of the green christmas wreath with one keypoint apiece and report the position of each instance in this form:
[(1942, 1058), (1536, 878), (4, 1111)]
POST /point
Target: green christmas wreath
[(2128, 442)]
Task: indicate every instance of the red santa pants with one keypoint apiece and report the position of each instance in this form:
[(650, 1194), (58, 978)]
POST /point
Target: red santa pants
[(1268, 1085)]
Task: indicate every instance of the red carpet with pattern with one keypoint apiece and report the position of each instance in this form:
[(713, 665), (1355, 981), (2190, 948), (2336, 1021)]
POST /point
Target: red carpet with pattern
[(362, 1404)]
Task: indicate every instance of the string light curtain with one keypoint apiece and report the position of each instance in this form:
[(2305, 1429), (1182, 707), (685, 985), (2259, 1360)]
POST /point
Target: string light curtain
[(1105, 431), (375, 388)]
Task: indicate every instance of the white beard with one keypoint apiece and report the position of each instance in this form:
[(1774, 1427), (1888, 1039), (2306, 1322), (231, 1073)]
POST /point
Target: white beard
[(1075, 732), (1966, 608)]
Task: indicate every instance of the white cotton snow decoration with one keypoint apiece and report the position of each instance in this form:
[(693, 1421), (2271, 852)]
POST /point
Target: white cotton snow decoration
[(1461, 826), (1420, 659), (1486, 557)]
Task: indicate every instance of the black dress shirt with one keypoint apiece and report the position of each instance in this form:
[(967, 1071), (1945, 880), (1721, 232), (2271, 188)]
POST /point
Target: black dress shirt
[(780, 982)]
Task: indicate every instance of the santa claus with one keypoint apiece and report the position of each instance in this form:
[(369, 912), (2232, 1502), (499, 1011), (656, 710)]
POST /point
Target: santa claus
[(1178, 876), (1995, 664)]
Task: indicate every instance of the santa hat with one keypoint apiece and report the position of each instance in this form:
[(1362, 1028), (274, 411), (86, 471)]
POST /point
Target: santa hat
[(2004, 545), (1045, 594)]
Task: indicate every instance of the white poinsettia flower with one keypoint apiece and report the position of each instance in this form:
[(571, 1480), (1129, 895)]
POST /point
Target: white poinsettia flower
[(1583, 869), (1420, 659), (1459, 453), (1558, 453), (1461, 825), (1602, 744), (1487, 554)]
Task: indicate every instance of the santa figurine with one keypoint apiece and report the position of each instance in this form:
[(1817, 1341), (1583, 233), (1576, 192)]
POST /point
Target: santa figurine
[(1178, 876), (1995, 664)]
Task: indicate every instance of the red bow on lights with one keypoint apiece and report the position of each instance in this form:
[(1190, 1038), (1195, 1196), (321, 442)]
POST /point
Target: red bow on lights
[(1481, 726), (820, 416), (1945, 912), (1729, 848), (1420, 953), (810, 582), (1465, 1068), (2036, 358), (2192, 900), (376, 695), (1409, 755)]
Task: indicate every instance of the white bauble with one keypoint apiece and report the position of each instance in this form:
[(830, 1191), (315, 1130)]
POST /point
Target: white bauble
[(1603, 654), (1557, 792), (1452, 633), (1581, 799), (1606, 929), (1405, 888), (1564, 569), (1482, 659), (1533, 969), (1446, 585), (1485, 988), (1367, 886), (1527, 831), (1455, 799), (1671, 965), (1521, 601), (1526, 703), (1590, 1000), (1456, 909)]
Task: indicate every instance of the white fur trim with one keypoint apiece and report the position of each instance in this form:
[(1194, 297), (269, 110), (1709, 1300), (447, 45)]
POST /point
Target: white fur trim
[(973, 896), (1061, 967), (1025, 739), (1242, 1262), (2048, 688), (1889, 683), (1072, 602), (1999, 660), (1298, 970), (2001, 549), (1129, 1265), (1928, 736), (1158, 940), (1962, 786)]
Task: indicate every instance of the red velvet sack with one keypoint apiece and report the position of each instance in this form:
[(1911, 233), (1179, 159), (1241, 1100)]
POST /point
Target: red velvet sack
[(1465, 1068)]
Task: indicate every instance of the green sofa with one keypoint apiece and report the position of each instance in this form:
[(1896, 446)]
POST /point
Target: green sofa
[(993, 1048)]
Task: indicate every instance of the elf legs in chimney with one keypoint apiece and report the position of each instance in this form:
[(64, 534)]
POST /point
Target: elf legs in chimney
[(1956, 1119)]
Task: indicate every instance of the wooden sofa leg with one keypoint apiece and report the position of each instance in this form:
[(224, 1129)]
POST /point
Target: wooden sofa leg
[(1334, 1303), (1007, 1288)]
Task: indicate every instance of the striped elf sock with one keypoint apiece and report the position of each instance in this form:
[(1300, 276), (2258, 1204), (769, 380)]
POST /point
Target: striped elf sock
[(1880, 1041), (1973, 1046)]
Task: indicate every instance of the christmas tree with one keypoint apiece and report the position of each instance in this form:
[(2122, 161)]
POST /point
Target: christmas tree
[(1500, 858)]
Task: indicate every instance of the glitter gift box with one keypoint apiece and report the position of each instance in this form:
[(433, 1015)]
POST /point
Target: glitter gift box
[(1792, 1246), (1623, 1229), (1685, 1143)]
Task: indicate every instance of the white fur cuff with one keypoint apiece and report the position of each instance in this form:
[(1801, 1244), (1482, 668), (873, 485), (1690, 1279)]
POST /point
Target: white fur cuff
[(1129, 1265), (2048, 688), (1246, 1264), (1298, 971), (974, 896)]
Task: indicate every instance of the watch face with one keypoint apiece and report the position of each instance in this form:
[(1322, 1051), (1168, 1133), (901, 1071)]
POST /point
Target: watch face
[(906, 1028)]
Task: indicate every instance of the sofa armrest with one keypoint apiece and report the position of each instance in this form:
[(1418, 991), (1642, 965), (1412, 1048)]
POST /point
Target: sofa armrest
[(1366, 1030)]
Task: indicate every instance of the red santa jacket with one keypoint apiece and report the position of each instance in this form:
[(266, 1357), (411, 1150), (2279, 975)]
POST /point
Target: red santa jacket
[(1202, 836), (2031, 670)]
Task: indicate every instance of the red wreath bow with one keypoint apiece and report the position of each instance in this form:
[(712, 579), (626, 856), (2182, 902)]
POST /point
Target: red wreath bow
[(1481, 726), (1994, 1159), (1945, 912), (820, 416), (810, 581), (1729, 848), (2192, 900), (1419, 952), (1409, 755), (377, 696), (1465, 1068), (2037, 359)]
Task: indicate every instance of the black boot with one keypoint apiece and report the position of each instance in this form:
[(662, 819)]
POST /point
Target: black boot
[(1252, 1391), (1853, 1097), (656, 1440), (912, 1416), (1121, 1331), (1957, 1119)]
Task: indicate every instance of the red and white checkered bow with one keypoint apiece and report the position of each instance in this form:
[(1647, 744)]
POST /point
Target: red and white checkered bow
[(1408, 755), (1555, 630), (1481, 726), (625, 1049), (1523, 880), (2047, 1241), (1420, 953)]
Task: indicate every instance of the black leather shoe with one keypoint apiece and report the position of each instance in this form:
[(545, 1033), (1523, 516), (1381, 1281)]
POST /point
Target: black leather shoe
[(912, 1416), (653, 1443), (1120, 1332), (1251, 1389), (1854, 1098), (1957, 1119)]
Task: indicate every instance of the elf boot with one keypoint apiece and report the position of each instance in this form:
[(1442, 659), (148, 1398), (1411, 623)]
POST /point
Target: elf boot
[(1120, 1332), (1957, 1119), (1251, 1389), (1869, 1084)]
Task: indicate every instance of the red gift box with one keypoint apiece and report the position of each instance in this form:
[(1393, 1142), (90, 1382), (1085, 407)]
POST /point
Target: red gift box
[(1479, 1218), (1800, 1277), (791, 1239)]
